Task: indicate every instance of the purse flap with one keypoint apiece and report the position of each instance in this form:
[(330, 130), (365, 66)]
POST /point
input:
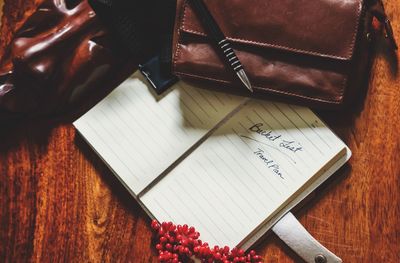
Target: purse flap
[(326, 28)]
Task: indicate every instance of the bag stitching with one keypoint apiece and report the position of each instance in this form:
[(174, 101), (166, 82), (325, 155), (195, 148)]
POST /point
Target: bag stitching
[(358, 14), (267, 89), (349, 51), (343, 87), (177, 52)]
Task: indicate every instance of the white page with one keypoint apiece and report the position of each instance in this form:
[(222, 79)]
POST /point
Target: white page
[(139, 134), (238, 178)]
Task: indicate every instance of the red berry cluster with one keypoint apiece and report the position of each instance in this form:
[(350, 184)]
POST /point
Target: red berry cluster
[(180, 244)]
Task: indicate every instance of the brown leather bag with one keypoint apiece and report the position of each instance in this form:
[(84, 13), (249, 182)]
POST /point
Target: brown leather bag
[(313, 52)]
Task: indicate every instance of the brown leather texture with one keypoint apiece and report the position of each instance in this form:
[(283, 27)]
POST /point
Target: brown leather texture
[(311, 52)]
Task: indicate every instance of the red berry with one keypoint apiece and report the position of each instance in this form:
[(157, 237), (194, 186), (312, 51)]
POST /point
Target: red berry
[(179, 243), (155, 225), (257, 257), (184, 242)]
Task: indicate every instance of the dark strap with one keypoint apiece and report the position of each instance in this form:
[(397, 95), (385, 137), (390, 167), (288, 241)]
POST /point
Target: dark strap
[(143, 28), (378, 10)]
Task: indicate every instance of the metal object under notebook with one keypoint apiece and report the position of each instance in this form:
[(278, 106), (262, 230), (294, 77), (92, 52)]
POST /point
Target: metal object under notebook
[(223, 44)]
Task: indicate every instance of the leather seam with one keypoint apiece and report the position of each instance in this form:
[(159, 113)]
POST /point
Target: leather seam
[(241, 40), (353, 42), (266, 89), (343, 87), (178, 46)]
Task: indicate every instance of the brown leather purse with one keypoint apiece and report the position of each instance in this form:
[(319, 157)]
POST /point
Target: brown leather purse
[(313, 52)]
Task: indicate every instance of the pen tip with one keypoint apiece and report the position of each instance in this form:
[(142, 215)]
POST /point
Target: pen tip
[(245, 80)]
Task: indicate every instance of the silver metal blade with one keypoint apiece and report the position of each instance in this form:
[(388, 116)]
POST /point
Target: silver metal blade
[(245, 80)]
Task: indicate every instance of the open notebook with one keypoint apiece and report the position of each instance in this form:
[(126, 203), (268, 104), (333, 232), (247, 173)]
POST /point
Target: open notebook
[(228, 165)]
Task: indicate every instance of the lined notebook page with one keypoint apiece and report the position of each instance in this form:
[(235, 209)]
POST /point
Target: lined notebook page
[(139, 134), (248, 170)]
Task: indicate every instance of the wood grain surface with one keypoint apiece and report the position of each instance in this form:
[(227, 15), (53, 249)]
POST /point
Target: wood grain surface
[(1, 10), (60, 203)]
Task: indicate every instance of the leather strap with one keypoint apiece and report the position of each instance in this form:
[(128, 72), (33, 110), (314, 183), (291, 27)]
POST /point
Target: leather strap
[(300, 241)]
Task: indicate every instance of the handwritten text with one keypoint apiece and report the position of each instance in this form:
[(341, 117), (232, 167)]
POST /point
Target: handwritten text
[(271, 164), (289, 145)]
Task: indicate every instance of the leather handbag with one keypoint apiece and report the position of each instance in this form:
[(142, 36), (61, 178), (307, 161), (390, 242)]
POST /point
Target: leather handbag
[(309, 52)]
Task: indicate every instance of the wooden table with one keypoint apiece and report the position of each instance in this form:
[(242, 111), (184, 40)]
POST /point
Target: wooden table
[(58, 201)]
